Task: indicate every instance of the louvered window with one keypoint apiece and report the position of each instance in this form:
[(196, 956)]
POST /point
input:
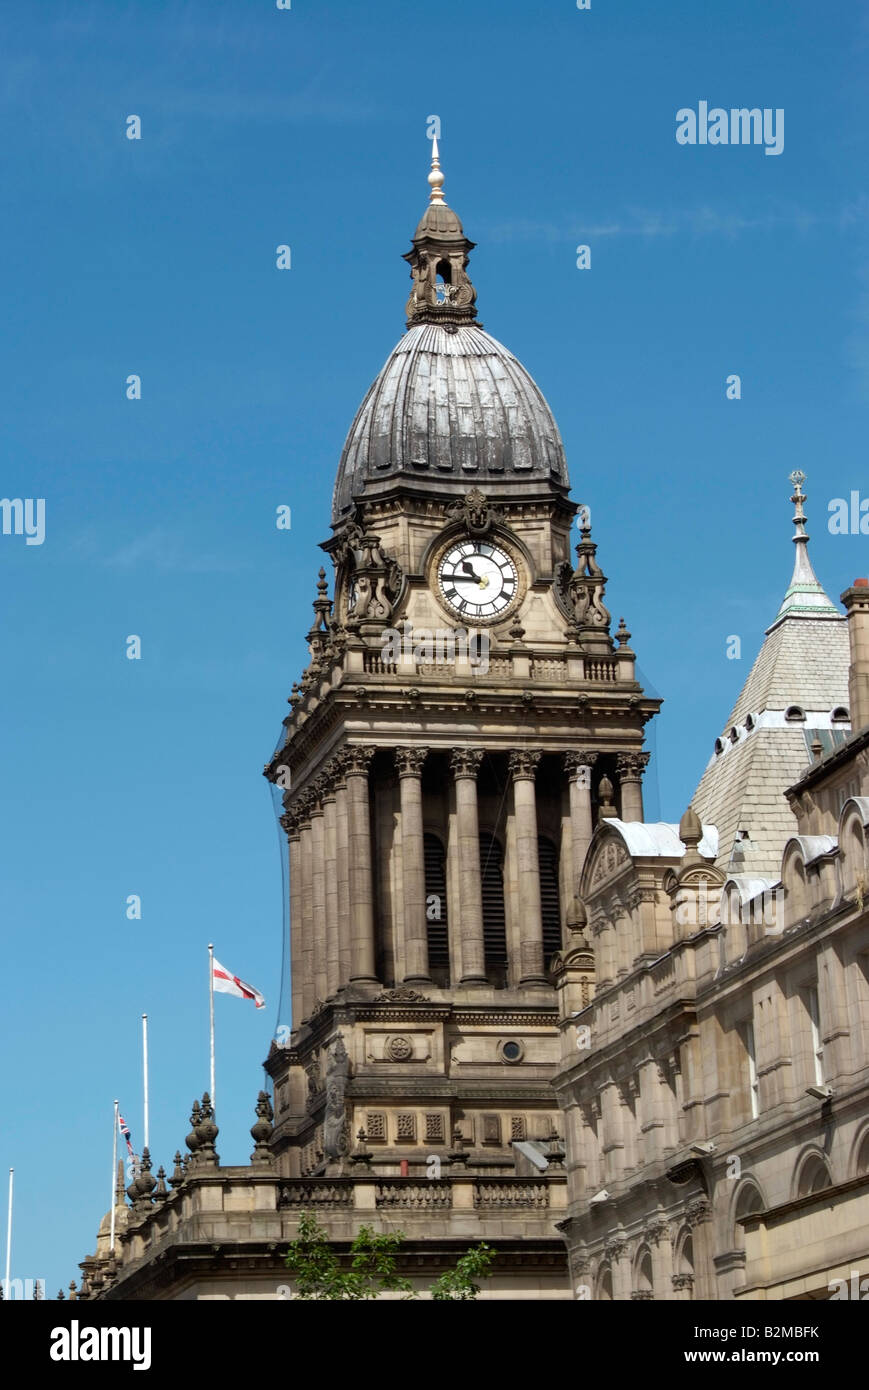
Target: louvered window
[(549, 899), (494, 924), (436, 910)]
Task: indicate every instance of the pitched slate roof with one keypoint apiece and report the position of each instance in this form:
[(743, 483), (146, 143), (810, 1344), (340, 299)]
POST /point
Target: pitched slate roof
[(801, 667)]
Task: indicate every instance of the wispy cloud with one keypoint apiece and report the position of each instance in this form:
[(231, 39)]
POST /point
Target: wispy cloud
[(161, 548), (704, 220)]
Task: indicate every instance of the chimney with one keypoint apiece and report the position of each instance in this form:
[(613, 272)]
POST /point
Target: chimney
[(856, 601)]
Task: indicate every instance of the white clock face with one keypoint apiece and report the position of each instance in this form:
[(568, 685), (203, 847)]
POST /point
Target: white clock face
[(477, 579)]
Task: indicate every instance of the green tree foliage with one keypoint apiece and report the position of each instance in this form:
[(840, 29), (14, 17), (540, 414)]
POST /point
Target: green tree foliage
[(318, 1272), (458, 1284)]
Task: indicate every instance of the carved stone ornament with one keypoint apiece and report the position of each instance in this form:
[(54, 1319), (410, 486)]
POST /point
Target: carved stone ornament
[(399, 1049), (401, 995), (474, 512), (372, 578), (465, 762), (586, 588), (357, 760), (335, 1126), (578, 766), (698, 1211), (409, 761), (631, 766), (523, 763), (610, 859)]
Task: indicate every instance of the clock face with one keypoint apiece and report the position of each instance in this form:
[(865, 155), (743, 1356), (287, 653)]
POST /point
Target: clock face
[(477, 579)]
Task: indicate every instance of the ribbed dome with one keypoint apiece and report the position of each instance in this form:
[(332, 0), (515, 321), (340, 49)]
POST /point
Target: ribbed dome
[(452, 408)]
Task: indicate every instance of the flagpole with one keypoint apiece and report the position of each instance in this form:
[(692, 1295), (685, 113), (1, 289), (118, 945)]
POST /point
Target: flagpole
[(114, 1174), (145, 1069), (211, 1011), (6, 1287)]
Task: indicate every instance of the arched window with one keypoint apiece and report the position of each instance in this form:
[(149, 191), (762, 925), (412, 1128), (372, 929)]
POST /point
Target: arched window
[(494, 923), (643, 1281), (436, 910), (748, 1201), (550, 902), (814, 1176), (605, 1285)]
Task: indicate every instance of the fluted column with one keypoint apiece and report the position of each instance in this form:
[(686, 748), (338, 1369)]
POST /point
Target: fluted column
[(318, 893), (578, 767), (413, 968), (630, 767), (290, 822), (523, 766), (342, 858), (330, 862), (356, 764), (306, 864), (465, 764)]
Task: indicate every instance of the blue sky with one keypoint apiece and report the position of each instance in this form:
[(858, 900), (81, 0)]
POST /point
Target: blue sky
[(157, 257)]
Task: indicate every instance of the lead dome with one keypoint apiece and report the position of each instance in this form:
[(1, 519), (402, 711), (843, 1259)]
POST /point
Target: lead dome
[(451, 403)]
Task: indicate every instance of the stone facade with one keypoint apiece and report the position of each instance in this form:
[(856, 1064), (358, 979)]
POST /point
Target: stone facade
[(465, 717), (714, 1074)]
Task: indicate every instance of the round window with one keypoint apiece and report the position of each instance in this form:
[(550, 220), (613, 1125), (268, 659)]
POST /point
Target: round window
[(511, 1051)]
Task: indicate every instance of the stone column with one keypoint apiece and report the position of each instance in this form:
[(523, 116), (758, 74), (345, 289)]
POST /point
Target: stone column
[(306, 865), (290, 822), (413, 969), (657, 1234), (523, 765), (342, 858), (578, 767), (617, 1253), (699, 1214), (318, 894), (613, 1146), (630, 767), (330, 863), (465, 764), (358, 761)]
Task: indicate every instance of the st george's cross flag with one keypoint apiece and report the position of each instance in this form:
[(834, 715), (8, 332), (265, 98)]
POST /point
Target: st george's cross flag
[(226, 983)]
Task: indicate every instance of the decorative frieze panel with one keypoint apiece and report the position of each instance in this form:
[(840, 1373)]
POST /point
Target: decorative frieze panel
[(405, 1127), (435, 1129), (375, 1126)]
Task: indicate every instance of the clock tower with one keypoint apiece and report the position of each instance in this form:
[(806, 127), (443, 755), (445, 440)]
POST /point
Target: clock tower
[(465, 719)]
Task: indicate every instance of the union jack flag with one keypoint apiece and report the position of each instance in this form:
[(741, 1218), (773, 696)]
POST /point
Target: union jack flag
[(125, 1131)]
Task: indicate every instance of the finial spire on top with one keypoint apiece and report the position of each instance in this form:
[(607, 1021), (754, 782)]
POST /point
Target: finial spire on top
[(436, 178), (805, 597), (799, 497)]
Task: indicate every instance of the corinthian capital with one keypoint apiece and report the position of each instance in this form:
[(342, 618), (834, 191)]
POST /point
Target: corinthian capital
[(579, 766), (409, 761), (357, 760), (465, 762), (523, 762), (631, 766)]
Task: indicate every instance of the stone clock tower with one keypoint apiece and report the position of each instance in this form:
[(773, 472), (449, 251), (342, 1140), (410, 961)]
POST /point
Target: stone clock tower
[(465, 718)]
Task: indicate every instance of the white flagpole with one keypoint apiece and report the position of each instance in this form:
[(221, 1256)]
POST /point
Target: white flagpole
[(145, 1069), (211, 1011), (114, 1173), (6, 1288)]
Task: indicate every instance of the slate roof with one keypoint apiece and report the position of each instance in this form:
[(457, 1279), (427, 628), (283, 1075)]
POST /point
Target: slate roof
[(803, 663)]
